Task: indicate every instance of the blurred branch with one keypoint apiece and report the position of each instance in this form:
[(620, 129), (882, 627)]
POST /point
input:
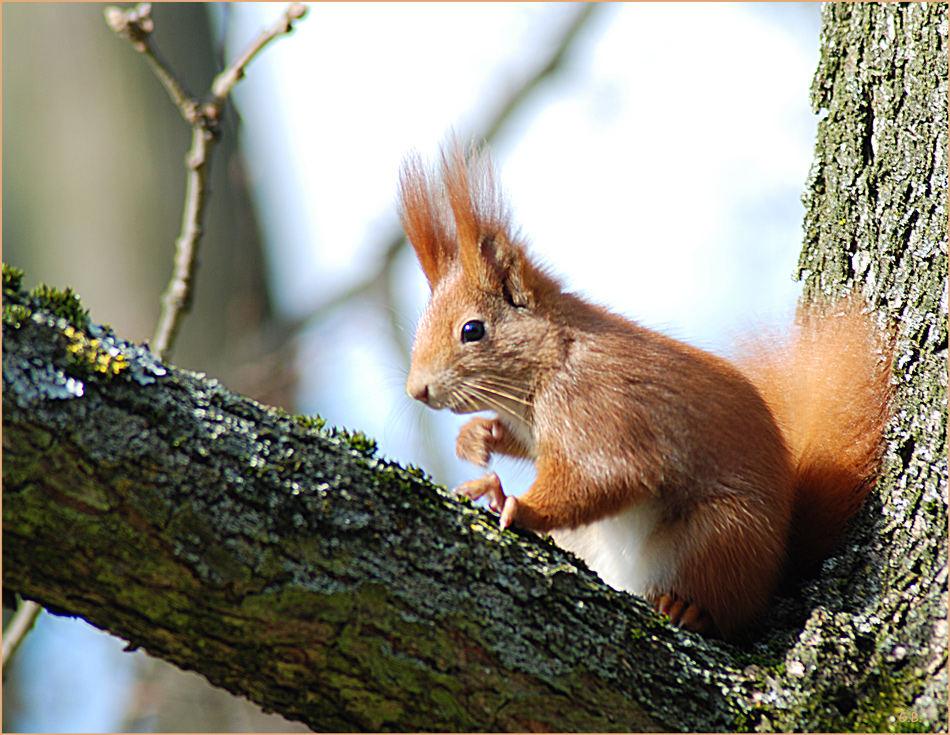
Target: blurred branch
[(16, 631), (376, 282), (136, 25), (554, 64)]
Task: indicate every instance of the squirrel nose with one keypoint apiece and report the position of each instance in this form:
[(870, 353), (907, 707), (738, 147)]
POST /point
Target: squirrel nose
[(418, 390)]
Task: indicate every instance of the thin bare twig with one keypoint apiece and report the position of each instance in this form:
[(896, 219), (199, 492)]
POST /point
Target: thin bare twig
[(136, 26), (16, 631), (226, 80)]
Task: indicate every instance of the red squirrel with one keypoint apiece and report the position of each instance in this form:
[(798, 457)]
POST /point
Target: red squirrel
[(673, 473)]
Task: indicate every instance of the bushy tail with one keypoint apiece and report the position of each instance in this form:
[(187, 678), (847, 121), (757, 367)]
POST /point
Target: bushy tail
[(828, 385)]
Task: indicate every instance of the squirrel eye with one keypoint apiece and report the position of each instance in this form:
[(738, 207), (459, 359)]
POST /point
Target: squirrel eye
[(473, 331)]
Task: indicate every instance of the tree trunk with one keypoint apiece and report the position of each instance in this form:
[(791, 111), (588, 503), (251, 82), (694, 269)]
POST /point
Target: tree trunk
[(876, 217), (292, 565)]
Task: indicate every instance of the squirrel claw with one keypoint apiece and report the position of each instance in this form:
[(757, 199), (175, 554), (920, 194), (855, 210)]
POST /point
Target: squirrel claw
[(490, 486), (682, 614), (508, 512)]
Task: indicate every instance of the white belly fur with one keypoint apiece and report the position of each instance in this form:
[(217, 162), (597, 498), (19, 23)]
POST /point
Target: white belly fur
[(625, 550)]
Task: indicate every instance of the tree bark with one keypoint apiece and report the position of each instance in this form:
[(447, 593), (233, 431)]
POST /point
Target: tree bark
[(291, 564), (876, 218)]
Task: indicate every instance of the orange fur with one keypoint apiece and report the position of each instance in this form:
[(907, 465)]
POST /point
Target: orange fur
[(662, 465), (424, 221)]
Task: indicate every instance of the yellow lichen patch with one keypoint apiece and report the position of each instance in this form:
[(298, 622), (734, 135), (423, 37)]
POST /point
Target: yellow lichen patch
[(93, 355)]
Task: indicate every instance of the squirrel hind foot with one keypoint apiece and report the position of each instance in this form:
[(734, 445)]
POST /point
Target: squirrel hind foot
[(684, 614)]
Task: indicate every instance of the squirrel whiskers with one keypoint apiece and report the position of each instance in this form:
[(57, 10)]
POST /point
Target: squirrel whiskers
[(673, 473)]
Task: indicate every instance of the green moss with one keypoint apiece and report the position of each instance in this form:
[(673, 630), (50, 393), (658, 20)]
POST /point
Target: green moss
[(12, 279), (329, 608), (887, 710), (61, 304), (417, 472), (15, 314), (310, 422), (357, 440)]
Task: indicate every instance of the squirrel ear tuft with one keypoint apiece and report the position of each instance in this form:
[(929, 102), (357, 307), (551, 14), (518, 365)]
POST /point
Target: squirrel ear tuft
[(482, 225), (463, 220), (423, 214)]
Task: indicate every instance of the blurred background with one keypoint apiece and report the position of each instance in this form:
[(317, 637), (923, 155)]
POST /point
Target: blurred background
[(654, 155)]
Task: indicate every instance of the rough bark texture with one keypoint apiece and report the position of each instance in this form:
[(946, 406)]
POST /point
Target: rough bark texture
[(292, 565), (876, 217)]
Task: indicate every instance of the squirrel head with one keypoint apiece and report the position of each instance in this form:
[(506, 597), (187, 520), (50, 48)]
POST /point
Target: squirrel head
[(486, 337)]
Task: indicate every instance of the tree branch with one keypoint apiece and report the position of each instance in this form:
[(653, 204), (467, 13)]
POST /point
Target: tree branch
[(292, 565), (22, 623)]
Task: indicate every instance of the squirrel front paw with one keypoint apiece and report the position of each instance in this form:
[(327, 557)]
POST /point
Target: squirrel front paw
[(490, 487), (479, 439)]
